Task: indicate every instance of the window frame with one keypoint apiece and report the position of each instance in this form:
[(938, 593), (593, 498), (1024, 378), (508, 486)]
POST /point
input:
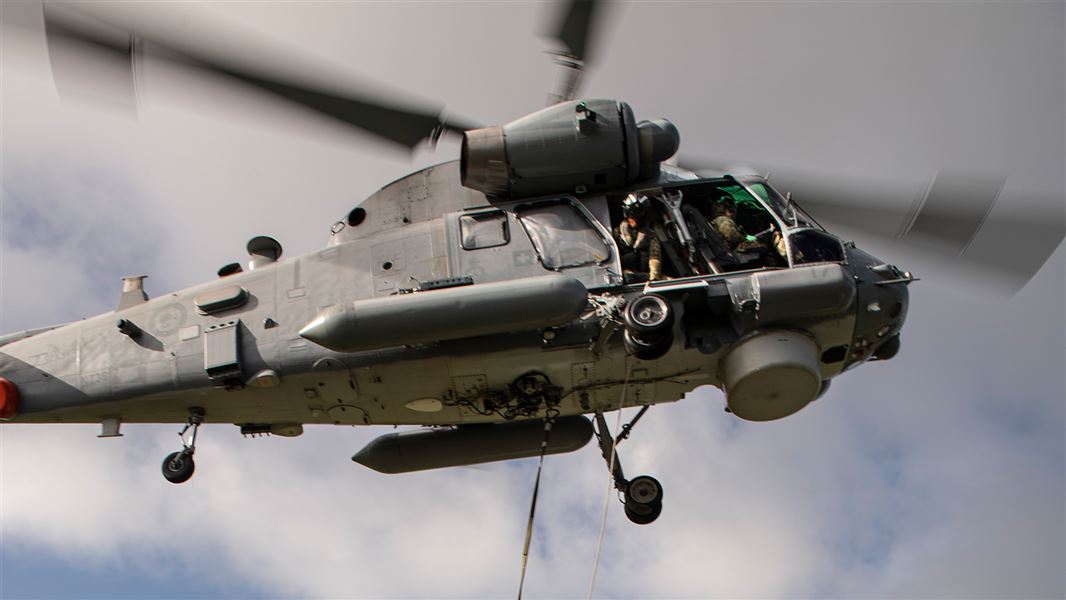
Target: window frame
[(584, 213), (482, 213)]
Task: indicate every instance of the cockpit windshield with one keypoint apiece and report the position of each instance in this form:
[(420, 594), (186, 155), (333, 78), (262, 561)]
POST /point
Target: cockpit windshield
[(791, 214)]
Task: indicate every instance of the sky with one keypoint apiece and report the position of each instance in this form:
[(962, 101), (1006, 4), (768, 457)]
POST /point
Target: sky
[(938, 474)]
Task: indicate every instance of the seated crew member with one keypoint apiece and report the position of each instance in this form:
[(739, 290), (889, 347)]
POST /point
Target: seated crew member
[(725, 213), (640, 248)]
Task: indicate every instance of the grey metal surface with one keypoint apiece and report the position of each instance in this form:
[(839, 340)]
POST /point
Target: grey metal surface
[(419, 197), (21, 335)]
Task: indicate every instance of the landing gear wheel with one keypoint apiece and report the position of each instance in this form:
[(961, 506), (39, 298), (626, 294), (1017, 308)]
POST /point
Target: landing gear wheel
[(643, 495), (644, 490), (647, 514), (646, 351), (178, 467), (648, 327), (648, 316), (644, 500)]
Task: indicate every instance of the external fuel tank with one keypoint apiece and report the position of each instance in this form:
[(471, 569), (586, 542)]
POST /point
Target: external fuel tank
[(448, 314), (423, 449)]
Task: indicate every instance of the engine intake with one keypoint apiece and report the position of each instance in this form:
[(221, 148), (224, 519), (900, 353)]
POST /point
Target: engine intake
[(572, 147)]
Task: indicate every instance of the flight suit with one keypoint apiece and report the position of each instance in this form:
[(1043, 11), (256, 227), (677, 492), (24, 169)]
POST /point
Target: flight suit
[(733, 236), (738, 241), (641, 250)]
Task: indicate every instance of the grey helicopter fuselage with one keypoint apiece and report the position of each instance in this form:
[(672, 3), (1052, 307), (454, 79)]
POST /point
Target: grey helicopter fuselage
[(438, 304)]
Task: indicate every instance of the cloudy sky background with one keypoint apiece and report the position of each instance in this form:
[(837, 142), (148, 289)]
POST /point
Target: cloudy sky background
[(941, 473)]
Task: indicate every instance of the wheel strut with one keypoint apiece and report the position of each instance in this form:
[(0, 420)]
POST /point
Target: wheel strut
[(178, 466), (608, 447), (643, 495)]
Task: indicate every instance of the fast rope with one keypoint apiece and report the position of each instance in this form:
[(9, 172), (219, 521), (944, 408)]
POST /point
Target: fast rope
[(610, 481), (549, 420)]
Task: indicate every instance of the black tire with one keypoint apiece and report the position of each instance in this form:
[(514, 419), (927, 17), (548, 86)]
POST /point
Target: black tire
[(649, 315), (642, 515), (644, 491), (644, 350), (178, 467)]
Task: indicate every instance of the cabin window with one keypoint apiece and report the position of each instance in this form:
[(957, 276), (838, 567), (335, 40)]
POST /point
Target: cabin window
[(813, 246), (562, 235), (484, 230)]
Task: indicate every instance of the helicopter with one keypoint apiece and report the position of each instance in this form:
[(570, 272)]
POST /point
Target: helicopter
[(498, 278)]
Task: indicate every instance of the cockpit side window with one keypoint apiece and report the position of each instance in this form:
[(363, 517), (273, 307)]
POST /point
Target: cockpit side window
[(813, 246), (484, 230), (562, 235)]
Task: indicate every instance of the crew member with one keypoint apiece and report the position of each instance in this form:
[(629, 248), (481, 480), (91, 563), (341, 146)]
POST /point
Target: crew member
[(724, 222), (640, 248)]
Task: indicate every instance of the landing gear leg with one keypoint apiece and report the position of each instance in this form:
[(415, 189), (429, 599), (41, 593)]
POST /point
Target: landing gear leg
[(643, 495), (179, 466)]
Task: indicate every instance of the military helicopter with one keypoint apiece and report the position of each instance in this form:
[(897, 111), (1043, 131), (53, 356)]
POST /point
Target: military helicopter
[(498, 278)]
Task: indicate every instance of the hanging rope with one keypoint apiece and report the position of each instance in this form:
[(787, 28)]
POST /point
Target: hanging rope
[(610, 481), (549, 420)]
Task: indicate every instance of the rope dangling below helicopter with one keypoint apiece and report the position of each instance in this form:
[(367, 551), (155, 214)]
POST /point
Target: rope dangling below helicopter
[(549, 420), (610, 479)]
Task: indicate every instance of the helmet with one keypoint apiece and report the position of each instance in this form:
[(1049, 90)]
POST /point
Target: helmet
[(636, 205), (723, 204)]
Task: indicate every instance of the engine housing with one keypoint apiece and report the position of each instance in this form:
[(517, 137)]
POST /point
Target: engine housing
[(572, 147)]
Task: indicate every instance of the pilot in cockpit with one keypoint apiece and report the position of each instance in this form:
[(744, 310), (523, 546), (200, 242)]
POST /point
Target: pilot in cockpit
[(724, 222), (640, 248)]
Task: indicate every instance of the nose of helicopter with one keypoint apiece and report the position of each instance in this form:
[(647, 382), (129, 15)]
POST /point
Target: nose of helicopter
[(883, 299)]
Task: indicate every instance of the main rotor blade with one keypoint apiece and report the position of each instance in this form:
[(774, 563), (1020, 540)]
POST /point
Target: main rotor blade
[(973, 218), (118, 43), (575, 27), (90, 58)]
